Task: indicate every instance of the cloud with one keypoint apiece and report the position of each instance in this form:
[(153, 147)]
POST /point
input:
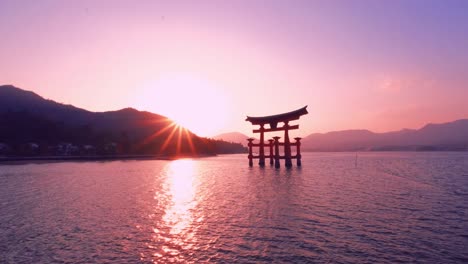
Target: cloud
[(401, 83), (391, 85)]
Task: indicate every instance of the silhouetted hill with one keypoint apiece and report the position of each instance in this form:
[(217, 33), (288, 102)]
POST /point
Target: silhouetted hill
[(30, 124), (235, 137), (447, 136), (16, 100)]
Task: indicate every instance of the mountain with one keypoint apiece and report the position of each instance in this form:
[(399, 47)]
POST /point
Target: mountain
[(452, 136), (446, 136), (235, 137), (30, 124)]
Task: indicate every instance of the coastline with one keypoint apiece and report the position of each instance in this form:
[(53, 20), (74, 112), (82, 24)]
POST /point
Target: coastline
[(52, 159)]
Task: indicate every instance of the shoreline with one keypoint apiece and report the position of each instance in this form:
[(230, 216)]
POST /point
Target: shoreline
[(52, 159), (9, 160)]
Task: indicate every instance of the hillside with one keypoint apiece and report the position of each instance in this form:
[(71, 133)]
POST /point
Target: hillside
[(447, 136), (32, 125), (235, 137)]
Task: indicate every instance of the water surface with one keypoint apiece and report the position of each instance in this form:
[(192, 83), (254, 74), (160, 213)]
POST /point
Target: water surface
[(385, 208)]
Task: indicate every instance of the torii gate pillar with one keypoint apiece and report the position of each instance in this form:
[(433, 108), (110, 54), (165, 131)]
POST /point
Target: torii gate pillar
[(287, 146), (261, 159)]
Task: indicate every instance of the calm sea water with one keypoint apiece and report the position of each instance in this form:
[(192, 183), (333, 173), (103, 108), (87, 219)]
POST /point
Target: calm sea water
[(387, 208)]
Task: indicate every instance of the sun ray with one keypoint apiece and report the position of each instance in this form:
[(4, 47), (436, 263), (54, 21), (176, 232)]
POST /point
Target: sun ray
[(179, 139), (154, 135), (190, 142), (162, 120), (162, 131), (184, 136), (168, 139)]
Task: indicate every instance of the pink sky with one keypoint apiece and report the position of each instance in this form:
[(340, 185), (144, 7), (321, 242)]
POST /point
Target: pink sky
[(356, 64)]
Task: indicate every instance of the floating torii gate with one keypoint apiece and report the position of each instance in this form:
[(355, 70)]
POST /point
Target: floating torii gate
[(273, 122)]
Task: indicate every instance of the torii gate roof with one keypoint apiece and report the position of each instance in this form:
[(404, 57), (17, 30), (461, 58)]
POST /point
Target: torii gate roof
[(274, 119)]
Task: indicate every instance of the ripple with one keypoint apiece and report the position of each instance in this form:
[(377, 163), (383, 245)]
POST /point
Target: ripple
[(395, 207)]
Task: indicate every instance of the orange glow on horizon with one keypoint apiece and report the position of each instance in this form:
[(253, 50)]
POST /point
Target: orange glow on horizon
[(188, 100)]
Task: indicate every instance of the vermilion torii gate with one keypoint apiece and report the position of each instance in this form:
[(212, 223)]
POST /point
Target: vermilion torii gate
[(273, 122)]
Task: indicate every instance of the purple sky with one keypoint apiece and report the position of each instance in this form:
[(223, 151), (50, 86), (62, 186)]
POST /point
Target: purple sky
[(380, 65)]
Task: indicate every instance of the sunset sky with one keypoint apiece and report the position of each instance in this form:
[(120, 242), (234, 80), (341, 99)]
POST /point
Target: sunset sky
[(378, 65)]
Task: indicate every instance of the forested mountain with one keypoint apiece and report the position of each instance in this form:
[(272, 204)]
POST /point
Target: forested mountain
[(30, 124)]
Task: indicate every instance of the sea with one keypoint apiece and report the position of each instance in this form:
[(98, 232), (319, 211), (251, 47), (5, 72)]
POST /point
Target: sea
[(369, 207)]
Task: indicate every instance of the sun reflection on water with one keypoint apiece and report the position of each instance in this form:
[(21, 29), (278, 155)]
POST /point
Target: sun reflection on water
[(175, 232), (181, 187)]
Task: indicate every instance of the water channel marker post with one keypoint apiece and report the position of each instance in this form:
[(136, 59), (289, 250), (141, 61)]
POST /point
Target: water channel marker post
[(273, 144)]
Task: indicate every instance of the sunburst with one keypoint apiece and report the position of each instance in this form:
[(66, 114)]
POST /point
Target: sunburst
[(176, 133)]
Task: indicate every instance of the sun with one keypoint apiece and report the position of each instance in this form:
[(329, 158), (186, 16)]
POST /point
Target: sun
[(190, 101)]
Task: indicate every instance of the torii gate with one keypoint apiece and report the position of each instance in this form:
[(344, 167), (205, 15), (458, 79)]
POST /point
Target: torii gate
[(273, 122)]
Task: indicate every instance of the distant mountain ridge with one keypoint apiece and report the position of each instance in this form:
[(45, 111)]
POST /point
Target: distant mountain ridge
[(26, 118), (235, 137), (445, 136)]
